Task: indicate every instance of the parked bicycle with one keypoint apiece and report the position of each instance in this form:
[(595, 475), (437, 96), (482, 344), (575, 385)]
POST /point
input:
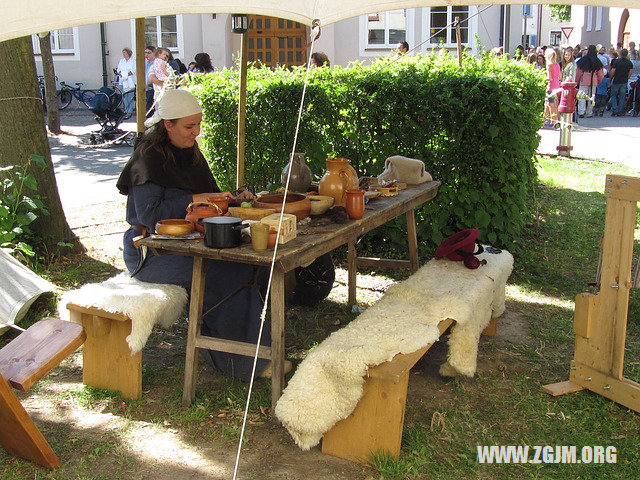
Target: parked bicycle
[(41, 90), (67, 92)]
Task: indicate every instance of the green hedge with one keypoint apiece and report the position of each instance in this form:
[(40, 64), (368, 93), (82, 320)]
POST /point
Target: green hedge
[(475, 127)]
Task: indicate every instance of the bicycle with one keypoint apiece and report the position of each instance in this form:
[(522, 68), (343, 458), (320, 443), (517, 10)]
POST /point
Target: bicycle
[(67, 92)]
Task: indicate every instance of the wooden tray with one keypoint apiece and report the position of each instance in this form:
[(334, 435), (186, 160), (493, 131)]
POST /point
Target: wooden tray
[(250, 213)]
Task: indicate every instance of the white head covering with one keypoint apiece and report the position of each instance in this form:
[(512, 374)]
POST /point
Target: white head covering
[(174, 104)]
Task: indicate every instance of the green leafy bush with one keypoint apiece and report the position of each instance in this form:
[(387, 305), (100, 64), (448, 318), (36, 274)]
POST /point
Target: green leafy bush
[(475, 128), (19, 206)]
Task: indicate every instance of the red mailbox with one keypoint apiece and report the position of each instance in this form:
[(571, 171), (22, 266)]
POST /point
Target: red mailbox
[(568, 99)]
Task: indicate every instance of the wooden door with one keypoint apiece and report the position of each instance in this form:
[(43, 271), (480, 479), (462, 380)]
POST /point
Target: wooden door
[(275, 41)]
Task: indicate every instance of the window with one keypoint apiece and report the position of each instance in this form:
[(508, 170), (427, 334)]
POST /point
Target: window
[(598, 18), (382, 31), (589, 18), (386, 29), (555, 38), (63, 42), (439, 29), (162, 31)]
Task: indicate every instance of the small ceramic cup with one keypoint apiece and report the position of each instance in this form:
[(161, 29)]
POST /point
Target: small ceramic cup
[(259, 236), (355, 203)]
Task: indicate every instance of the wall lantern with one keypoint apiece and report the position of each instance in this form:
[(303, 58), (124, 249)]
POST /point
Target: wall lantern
[(239, 23)]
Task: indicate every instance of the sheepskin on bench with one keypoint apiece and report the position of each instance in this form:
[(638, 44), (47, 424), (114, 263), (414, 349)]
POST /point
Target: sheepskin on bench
[(328, 384), (146, 304)]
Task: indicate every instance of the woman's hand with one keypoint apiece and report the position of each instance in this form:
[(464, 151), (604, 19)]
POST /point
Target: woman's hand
[(201, 197), (244, 194)]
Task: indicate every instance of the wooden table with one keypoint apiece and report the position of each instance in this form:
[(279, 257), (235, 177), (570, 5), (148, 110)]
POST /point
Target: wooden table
[(310, 244)]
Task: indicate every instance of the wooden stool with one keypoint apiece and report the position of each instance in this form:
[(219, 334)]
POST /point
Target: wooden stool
[(24, 361), (376, 424), (106, 358)]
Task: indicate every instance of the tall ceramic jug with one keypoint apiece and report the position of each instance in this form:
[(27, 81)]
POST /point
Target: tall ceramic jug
[(339, 177), (300, 174)]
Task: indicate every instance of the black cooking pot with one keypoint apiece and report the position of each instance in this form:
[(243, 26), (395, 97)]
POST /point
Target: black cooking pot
[(222, 232)]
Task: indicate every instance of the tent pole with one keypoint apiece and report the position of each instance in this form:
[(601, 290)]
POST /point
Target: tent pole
[(141, 83), (459, 41), (242, 109)]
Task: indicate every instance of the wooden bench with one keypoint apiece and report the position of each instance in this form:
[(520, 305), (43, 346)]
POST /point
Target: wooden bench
[(24, 361), (376, 424), (106, 358)]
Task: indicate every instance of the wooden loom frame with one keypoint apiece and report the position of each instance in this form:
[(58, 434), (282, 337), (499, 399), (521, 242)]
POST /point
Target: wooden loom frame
[(600, 320)]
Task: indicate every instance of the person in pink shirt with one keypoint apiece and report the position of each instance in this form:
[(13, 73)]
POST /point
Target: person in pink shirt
[(589, 74), (553, 86)]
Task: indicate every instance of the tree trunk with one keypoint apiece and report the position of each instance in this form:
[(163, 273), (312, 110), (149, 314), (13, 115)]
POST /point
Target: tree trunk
[(23, 134), (53, 114)]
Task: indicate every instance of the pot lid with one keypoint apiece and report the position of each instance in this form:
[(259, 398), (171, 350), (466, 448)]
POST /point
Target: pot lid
[(222, 220)]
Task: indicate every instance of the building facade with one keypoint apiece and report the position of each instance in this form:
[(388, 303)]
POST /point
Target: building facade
[(89, 53)]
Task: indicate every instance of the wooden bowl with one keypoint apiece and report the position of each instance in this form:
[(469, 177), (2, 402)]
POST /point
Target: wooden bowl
[(250, 213), (174, 227), (297, 203), (320, 204)]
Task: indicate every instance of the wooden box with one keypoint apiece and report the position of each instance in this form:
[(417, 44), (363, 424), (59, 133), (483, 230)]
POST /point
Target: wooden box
[(288, 229)]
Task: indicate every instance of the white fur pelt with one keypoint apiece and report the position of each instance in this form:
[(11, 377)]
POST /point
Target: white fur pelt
[(328, 384), (146, 304)]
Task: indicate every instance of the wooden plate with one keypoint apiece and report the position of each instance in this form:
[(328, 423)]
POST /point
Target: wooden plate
[(371, 194)]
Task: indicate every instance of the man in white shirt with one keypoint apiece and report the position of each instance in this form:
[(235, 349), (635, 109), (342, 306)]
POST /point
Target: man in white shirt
[(603, 57)]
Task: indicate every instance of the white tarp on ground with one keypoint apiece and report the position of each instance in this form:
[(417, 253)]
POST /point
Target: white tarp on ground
[(25, 17), (19, 287)]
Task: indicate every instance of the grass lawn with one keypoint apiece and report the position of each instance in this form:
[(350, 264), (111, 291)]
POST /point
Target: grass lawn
[(99, 436)]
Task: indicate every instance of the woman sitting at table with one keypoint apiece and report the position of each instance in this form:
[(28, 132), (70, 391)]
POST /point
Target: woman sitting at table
[(166, 172)]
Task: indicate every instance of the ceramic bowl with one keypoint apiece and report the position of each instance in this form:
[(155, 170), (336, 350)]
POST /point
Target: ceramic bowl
[(320, 204), (174, 227), (297, 203)]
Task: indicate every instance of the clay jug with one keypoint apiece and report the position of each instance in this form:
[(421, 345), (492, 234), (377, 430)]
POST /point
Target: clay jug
[(339, 177), (199, 210), (300, 174)]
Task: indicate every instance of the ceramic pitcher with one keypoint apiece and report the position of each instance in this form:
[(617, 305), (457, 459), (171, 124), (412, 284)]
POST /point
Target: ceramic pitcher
[(300, 174), (339, 177)]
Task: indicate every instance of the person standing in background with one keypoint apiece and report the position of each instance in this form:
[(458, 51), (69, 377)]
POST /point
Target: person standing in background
[(589, 74), (127, 70), (403, 48), (633, 53), (603, 57), (568, 66), (621, 69), (203, 63), (319, 59), (149, 57)]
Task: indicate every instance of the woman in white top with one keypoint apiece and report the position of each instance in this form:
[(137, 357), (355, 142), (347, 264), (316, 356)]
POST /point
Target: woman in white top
[(127, 71)]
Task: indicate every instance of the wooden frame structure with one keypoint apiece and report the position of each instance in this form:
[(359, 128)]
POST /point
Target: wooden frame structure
[(600, 320)]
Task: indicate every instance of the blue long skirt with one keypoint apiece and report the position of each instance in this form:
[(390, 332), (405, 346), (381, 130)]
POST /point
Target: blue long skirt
[(236, 319)]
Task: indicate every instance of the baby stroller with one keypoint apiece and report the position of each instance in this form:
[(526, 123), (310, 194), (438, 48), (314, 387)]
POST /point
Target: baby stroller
[(107, 107)]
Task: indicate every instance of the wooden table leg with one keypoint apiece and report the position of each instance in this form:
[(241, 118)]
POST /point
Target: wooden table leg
[(351, 272), (277, 335), (413, 240), (195, 322)]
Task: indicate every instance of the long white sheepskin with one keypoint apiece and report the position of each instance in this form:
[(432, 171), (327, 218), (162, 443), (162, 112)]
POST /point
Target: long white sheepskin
[(146, 304), (328, 384)]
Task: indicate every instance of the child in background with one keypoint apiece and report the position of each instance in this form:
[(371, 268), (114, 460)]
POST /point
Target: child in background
[(601, 97), (160, 64)]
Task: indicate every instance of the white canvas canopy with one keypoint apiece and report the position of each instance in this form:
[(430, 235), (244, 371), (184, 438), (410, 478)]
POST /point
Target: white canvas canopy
[(33, 16)]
